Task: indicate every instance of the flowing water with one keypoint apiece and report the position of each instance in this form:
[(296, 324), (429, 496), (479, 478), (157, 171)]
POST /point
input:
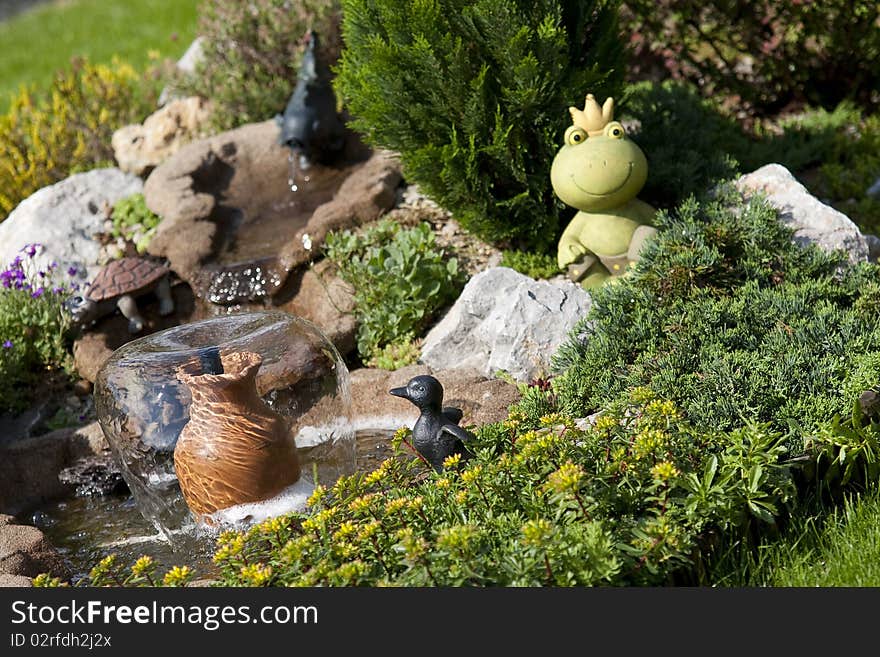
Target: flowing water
[(246, 268), (87, 529)]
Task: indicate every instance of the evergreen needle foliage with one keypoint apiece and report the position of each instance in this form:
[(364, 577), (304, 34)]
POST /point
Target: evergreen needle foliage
[(689, 143), (474, 96), (730, 319)]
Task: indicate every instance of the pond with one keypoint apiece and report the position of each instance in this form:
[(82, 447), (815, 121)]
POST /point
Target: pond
[(86, 529)]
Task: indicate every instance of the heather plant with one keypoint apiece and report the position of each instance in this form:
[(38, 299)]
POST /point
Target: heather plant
[(474, 95), (251, 55), (731, 320), (764, 55), (399, 278), (134, 221), (48, 135), (33, 328)]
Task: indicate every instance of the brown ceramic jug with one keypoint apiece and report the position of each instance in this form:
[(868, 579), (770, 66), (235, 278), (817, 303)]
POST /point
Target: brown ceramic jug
[(234, 449)]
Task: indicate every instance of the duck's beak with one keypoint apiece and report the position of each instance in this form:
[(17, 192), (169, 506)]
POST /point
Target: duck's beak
[(399, 392)]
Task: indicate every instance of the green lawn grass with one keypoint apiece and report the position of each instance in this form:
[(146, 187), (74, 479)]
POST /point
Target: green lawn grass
[(36, 43), (841, 548)]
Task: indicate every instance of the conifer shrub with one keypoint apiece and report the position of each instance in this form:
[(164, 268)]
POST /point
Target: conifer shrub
[(474, 94), (760, 347), (252, 51), (687, 139), (47, 135), (728, 318)]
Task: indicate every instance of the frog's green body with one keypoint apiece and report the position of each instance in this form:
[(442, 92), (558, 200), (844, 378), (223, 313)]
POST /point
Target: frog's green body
[(600, 172)]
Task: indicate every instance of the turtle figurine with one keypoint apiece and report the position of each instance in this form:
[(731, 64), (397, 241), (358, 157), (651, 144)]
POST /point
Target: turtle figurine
[(117, 285)]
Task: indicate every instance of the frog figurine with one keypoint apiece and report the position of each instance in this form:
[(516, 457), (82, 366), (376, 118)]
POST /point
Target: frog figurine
[(599, 171)]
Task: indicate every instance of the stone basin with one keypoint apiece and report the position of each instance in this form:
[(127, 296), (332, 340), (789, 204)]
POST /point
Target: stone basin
[(233, 228)]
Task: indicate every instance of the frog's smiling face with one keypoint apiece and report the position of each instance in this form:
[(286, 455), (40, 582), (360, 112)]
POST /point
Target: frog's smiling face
[(594, 172)]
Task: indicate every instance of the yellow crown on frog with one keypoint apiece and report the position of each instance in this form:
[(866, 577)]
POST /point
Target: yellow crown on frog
[(593, 118)]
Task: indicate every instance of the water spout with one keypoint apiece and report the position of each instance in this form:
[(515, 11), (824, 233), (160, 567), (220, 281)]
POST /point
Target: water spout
[(310, 125)]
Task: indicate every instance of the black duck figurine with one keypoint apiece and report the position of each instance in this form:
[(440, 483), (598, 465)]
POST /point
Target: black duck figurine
[(436, 434), (310, 124)]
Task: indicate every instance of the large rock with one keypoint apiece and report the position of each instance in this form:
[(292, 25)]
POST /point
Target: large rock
[(29, 468), (193, 56), (64, 217), (813, 221), (232, 227), (482, 400), (25, 552), (140, 148), (506, 321)]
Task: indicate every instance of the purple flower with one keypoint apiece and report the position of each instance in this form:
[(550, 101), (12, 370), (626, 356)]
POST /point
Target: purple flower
[(58, 290), (71, 271), (36, 294), (7, 344), (16, 262), (8, 277), (31, 249), (53, 265), (42, 274)]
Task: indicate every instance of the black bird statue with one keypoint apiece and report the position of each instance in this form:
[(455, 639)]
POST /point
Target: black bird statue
[(310, 124), (436, 434)]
